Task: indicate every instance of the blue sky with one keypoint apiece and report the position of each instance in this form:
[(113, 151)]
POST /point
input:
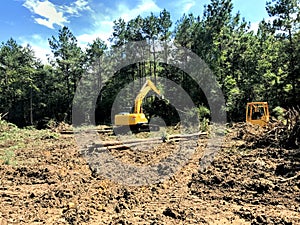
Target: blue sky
[(34, 21)]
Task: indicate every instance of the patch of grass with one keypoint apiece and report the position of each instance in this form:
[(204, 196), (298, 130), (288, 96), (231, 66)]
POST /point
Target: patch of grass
[(204, 125), (13, 138), (9, 158)]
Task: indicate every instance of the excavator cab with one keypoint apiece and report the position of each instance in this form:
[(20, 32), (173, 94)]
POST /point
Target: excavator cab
[(257, 113), (137, 120)]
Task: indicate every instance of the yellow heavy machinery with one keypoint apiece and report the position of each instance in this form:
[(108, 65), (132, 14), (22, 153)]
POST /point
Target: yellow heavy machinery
[(257, 113), (137, 120)]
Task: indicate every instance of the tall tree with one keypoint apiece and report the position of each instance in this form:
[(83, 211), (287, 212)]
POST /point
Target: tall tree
[(69, 63), (165, 24), (270, 75), (151, 29), (134, 32), (118, 37), (94, 52), (287, 20), (17, 70)]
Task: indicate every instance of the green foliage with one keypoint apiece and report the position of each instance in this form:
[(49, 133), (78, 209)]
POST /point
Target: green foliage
[(17, 75), (5, 126), (8, 158), (204, 125), (14, 139), (203, 112), (248, 66), (279, 112), (287, 25)]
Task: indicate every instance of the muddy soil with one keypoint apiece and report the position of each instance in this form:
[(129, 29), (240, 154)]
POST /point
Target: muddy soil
[(52, 183)]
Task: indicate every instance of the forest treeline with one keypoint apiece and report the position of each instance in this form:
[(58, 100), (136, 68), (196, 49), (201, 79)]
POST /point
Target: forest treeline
[(248, 65)]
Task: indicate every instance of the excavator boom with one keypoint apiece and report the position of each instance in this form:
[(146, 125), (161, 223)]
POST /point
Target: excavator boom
[(148, 86)]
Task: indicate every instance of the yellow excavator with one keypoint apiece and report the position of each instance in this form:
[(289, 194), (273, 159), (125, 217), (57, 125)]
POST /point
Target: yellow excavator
[(257, 113), (137, 121)]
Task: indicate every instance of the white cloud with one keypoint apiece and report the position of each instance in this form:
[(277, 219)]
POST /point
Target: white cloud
[(103, 19), (184, 6), (42, 53), (47, 11), (254, 27), (75, 7), (145, 6), (84, 39), (50, 14), (187, 5)]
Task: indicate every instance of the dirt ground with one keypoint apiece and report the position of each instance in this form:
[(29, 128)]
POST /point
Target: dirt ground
[(52, 183)]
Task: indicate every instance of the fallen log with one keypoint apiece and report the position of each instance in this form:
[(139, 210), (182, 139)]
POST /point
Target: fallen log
[(109, 145), (104, 131)]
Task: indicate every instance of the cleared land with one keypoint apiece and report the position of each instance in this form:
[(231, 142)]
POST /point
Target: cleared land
[(46, 180)]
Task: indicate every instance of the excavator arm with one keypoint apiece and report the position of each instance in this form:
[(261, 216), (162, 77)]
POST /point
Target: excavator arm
[(148, 86)]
